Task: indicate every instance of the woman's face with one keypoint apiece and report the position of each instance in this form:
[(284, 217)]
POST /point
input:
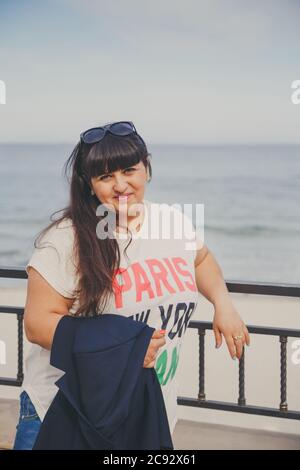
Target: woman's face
[(121, 187)]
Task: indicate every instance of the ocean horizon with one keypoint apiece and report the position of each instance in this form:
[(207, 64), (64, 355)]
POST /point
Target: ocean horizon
[(250, 194)]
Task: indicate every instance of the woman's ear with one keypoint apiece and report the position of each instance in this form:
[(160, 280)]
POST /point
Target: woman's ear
[(148, 175), (147, 171)]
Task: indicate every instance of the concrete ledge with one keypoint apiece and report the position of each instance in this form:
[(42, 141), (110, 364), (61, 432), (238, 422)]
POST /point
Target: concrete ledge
[(187, 434), (193, 435), (9, 416)]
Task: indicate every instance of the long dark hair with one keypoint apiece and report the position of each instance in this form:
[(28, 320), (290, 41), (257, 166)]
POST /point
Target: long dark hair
[(96, 260)]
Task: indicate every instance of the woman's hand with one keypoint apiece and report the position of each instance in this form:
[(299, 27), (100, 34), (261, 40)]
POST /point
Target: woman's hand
[(228, 322), (158, 340)]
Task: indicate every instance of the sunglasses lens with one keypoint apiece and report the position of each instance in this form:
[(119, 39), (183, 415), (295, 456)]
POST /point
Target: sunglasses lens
[(121, 128), (118, 128), (92, 136)]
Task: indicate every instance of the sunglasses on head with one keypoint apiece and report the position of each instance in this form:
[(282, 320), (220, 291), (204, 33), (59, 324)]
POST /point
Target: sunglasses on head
[(96, 134)]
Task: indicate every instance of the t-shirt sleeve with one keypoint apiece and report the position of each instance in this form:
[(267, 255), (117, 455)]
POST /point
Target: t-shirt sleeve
[(53, 259)]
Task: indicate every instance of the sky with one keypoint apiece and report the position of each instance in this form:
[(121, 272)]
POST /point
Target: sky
[(192, 72)]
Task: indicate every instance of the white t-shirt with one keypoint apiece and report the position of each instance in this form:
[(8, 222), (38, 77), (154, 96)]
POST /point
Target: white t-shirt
[(158, 288)]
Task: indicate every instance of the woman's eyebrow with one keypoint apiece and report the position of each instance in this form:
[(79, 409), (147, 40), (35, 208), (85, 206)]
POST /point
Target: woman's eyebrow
[(122, 169)]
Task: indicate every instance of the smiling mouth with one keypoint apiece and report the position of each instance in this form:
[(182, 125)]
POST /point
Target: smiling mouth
[(123, 196)]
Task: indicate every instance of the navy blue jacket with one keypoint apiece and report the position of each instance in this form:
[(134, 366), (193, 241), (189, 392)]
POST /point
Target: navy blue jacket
[(106, 398)]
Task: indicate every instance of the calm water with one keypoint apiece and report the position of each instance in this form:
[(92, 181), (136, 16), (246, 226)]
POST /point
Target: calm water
[(251, 196)]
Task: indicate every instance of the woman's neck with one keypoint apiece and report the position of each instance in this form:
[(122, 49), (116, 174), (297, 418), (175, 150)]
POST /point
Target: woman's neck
[(133, 223)]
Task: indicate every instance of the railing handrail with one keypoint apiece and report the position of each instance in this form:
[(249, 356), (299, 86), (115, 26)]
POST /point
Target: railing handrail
[(238, 287), (202, 325), (257, 329)]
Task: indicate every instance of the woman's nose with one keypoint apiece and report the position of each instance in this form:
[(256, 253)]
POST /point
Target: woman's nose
[(120, 183)]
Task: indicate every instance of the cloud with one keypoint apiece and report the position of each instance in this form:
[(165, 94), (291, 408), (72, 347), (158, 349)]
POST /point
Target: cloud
[(224, 67), (210, 21)]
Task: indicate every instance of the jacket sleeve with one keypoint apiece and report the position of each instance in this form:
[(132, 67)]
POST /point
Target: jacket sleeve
[(62, 345)]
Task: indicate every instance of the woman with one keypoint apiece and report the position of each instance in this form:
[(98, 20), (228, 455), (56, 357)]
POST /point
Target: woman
[(86, 266)]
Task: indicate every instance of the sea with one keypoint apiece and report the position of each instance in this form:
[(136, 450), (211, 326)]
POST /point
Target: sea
[(250, 195)]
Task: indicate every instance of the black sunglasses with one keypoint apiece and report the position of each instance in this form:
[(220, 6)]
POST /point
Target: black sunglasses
[(96, 134)]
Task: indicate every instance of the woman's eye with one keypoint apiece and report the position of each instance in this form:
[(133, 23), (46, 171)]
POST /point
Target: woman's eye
[(130, 170), (103, 177)]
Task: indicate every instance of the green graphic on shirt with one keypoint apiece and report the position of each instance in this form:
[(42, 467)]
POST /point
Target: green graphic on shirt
[(164, 375)]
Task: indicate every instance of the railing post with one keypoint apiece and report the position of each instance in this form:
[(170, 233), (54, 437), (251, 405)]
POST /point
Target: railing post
[(201, 394), (283, 401), (20, 375), (242, 399)]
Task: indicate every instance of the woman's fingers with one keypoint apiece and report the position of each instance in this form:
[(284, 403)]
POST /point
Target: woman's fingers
[(158, 340), (231, 346), (235, 344), (149, 359), (218, 336), (158, 334), (149, 365), (239, 345), (247, 336)]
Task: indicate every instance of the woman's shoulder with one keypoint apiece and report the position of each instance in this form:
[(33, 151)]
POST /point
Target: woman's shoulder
[(65, 224), (61, 232)]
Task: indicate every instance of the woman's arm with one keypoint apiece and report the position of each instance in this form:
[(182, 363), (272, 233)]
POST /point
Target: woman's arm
[(211, 284), (44, 308)]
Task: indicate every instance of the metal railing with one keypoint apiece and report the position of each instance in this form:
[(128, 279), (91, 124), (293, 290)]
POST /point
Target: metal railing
[(15, 273), (282, 333), (201, 401)]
